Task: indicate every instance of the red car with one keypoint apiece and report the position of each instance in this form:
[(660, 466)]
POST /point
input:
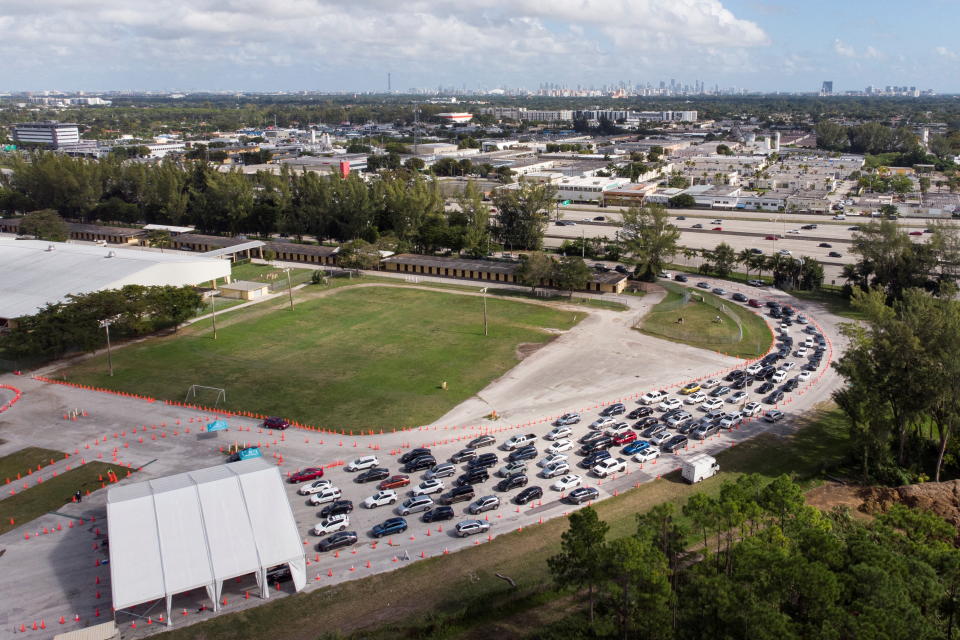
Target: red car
[(916, 233), (770, 238), (275, 423), (753, 302), (625, 438), (310, 473), (718, 228), (394, 482)]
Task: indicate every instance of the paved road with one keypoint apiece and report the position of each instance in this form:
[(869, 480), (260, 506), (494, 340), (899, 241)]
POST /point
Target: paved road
[(600, 361)]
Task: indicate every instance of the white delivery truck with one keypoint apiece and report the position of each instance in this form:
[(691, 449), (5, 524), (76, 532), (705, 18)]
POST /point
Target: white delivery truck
[(699, 467)]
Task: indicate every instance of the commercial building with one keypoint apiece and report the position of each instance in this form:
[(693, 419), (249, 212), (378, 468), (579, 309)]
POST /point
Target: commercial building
[(587, 189), (522, 114), (49, 133), (86, 232), (455, 118), (627, 116)]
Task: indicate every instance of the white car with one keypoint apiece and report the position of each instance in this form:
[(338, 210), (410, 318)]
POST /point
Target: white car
[(751, 409), (652, 397), (731, 420), (784, 252), (608, 466), (754, 369), (801, 352), (327, 494), (712, 404), (804, 376), (779, 376), (784, 327), (794, 231), (651, 453), (427, 487), (617, 429), (330, 524), (737, 397), (787, 366), (559, 432), (709, 382), (313, 487), (555, 469), (559, 447), (364, 462), (601, 423), (567, 482), (717, 221), (552, 458), (669, 404), (696, 397), (380, 498)]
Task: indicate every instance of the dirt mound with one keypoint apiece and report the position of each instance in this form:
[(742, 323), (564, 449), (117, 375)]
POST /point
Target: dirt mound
[(942, 498)]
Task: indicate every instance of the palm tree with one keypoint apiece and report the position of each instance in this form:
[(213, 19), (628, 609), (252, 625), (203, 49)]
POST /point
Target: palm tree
[(745, 258), (758, 261)]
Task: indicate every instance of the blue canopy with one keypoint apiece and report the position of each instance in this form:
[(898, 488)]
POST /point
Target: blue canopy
[(252, 452), (218, 425)]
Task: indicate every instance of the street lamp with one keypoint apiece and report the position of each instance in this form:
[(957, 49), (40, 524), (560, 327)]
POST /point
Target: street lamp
[(106, 325), (484, 292)]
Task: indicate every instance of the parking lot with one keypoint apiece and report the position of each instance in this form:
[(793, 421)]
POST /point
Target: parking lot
[(601, 362)]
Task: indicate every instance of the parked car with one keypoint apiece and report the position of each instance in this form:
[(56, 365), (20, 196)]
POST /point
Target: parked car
[(486, 503), (635, 447), (583, 494), (669, 403), (558, 432), (528, 494), (512, 482), (567, 482), (481, 441), (773, 415), (624, 438), (444, 470), (652, 397), (676, 442), (380, 498), (512, 469), (437, 514), (559, 446), (471, 477), (690, 387), (483, 461), (361, 463), (640, 412), (738, 397), (338, 541), (609, 466), (419, 464), (567, 419), (427, 487), (273, 422), (371, 475), (593, 458), (310, 473), (331, 524), (458, 494), (751, 409), (389, 527), (730, 420), (313, 487), (394, 482), (337, 507), (695, 398), (526, 453), (464, 455), (327, 494), (648, 454), (413, 454), (471, 527), (614, 409)]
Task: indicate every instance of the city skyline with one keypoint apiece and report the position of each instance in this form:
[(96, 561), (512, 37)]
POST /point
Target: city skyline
[(324, 46)]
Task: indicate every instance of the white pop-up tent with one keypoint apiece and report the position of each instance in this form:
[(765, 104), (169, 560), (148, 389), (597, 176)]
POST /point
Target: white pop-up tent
[(197, 529)]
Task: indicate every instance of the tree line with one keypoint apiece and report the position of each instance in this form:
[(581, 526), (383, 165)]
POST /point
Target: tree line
[(754, 561)]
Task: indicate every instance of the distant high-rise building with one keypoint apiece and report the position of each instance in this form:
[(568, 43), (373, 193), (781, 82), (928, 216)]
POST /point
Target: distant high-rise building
[(826, 89)]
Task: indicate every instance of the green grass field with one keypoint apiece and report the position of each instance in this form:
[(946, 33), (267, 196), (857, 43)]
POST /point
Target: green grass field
[(361, 358), (20, 461), (53, 493), (699, 327), (459, 596)]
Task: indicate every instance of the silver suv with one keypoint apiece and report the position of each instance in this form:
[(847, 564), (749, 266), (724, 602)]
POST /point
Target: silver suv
[(486, 503), (415, 505)]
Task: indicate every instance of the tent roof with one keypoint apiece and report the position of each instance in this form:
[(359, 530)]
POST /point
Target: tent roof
[(180, 532)]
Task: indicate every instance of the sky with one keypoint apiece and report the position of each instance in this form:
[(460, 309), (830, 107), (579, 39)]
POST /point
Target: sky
[(351, 45)]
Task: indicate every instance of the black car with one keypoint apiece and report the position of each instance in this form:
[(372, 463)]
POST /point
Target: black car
[(774, 397), (791, 384), (372, 475), (484, 461), (766, 387), (591, 437), (464, 455), (338, 541), (733, 375), (775, 313), (640, 412), (622, 269), (472, 477), (459, 494), (720, 391), (513, 482), (481, 441), (280, 573), (825, 245), (524, 453), (437, 514), (337, 507), (413, 454), (680, 277), (643, 423), (788, 311), (741, 383), (739, 297), (834, 254), (772, 304), (595, 457), (528, 494), (419, 464), (674, 443), (582, 494), (769, 359), (598, 445), (614, 410), (766, 372)]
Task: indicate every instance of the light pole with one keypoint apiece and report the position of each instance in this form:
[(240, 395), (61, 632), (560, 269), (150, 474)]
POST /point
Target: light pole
[(289, 288), (484, 292), (213, 301), (106, 325)]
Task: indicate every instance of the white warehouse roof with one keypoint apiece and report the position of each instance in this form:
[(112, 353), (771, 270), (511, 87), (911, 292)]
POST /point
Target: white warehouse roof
[(197, 529), (37, 272)]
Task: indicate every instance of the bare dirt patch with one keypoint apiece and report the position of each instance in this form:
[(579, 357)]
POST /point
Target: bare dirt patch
[(833, 494), (942, 498)]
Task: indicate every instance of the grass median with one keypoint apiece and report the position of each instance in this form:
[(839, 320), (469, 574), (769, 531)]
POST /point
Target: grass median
[(362, 358), (27, 459), (53, 493), (459, 595)]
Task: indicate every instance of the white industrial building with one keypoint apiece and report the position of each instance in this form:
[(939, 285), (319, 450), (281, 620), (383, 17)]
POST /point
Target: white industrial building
[(49, 133), (587, 189), (199, 529), (37, 273)]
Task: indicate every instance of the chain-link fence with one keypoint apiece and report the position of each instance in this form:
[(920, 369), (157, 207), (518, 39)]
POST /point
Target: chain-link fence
[(725, 328)]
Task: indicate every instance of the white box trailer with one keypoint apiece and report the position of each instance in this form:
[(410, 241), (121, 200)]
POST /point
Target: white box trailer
[(699, 467)]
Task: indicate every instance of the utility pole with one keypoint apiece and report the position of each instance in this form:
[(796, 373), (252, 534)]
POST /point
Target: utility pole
[(289, 288), (213, 301), (106, 325), (484, 292)]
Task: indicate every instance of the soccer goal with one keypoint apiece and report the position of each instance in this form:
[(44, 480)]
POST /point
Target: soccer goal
[(202, 395)]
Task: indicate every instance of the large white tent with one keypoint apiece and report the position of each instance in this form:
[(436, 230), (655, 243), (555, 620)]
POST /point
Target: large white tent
[(197, 529)]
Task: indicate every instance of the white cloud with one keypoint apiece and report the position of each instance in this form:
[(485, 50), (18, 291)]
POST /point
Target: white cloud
[(845, 50), (946, 53), (197, 39)]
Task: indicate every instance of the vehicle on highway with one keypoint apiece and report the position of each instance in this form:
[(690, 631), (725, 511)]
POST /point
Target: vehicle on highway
[(567, 482), (739, 297), (371, 475), (336, 507), (834, 254), (313, 487), (704, 285), (458, 494), (635, 447), (471, 527), (825, 245), (511, 483), (273, 422), (310, 473), (582, 494), (389, 527), (413, 454), (486, 503), (717, 229), (566, 419), (528, 494), (774, 415), (330, 524), (394, 482), (364, 462), (427, 487), (756, 283), (559, 446), (680, 277), (444, 470), (609, 466), (916, 233), (380, 498), (784, 252), (437, 514), (614, 409), (697, 226), (337, 541), (327, 494), (481, 441), (719, 291)]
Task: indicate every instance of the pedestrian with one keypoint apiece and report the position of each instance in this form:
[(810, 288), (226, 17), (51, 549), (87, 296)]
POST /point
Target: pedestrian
[(78, 495)]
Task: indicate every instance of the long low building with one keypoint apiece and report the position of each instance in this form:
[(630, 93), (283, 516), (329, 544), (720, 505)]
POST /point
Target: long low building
[(488, 271), (37, 273)]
